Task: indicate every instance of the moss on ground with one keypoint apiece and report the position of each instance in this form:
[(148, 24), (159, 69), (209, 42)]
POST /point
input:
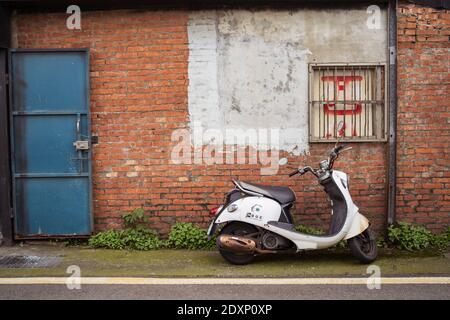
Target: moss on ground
[(197, 263)]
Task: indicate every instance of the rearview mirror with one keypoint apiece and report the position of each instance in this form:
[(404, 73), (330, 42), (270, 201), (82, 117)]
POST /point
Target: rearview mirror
[(339, 126)]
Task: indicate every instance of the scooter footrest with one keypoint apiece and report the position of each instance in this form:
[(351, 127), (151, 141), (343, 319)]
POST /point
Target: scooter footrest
[(282, 225)]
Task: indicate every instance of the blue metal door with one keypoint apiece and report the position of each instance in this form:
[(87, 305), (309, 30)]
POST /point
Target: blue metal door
[(50, 140)]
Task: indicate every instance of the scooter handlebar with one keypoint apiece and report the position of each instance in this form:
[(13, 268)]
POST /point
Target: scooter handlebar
[(301, 171), (333, 156), (340, 149), (293, 173)]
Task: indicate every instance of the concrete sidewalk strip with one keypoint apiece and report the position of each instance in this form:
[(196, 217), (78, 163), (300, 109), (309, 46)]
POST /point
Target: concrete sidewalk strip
[(221, 281)]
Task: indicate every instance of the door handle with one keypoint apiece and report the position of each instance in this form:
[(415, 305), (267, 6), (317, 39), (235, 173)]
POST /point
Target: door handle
[(80, 145)]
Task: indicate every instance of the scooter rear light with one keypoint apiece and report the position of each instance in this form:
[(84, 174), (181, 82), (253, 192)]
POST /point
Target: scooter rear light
[(213, 211)]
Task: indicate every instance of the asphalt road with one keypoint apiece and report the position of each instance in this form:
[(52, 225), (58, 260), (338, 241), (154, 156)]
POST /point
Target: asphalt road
[(225, 291)]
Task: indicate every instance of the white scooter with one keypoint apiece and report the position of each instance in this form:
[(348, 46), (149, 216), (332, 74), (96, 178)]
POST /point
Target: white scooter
[(256, 219)]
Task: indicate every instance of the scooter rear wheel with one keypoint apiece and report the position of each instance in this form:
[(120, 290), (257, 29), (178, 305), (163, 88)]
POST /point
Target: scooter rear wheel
[(364, 246), (237, 229)]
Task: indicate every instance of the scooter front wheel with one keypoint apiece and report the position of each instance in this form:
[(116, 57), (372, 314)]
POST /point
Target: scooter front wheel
[(364, 246), (237, 229)]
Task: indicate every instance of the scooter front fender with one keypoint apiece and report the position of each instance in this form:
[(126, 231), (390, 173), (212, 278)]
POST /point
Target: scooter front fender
[(359, 224)]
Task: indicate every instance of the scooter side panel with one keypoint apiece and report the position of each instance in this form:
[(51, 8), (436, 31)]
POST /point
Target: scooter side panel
[(253, 210)]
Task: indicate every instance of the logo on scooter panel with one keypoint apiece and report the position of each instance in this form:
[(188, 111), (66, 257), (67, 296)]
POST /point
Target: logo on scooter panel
[(256, 212)]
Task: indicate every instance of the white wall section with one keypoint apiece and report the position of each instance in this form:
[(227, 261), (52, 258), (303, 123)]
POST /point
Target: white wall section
[(203, 91)]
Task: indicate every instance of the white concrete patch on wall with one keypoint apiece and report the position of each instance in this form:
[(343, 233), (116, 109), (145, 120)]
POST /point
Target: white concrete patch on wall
[(249, 69), (203, 91), (263, 74)]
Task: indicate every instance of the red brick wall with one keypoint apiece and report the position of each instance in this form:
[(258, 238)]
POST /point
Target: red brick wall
[(423, 116), (139, 96), (138, 73)]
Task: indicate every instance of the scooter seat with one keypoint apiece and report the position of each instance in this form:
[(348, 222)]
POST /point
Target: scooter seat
[(283, 195)]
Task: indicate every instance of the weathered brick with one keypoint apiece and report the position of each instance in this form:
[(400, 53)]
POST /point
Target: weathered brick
[(423, 135)]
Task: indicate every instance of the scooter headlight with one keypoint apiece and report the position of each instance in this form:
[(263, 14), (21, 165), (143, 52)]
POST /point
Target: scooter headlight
[(232, 207), (324, 165)]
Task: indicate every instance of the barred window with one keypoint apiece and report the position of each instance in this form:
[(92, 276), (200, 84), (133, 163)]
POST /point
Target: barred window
[(354, 94)]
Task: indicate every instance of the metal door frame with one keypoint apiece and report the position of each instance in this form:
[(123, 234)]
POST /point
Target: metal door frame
[(6, 223), (14, 176)]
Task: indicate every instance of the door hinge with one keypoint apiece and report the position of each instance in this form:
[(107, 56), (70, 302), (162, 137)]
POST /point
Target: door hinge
[(94, 139)]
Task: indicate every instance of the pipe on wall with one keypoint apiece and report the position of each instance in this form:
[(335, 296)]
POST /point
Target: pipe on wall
[(392, 167)]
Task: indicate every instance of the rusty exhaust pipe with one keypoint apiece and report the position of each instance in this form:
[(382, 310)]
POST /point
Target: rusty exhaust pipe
[(236, 244), (240, 245)]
